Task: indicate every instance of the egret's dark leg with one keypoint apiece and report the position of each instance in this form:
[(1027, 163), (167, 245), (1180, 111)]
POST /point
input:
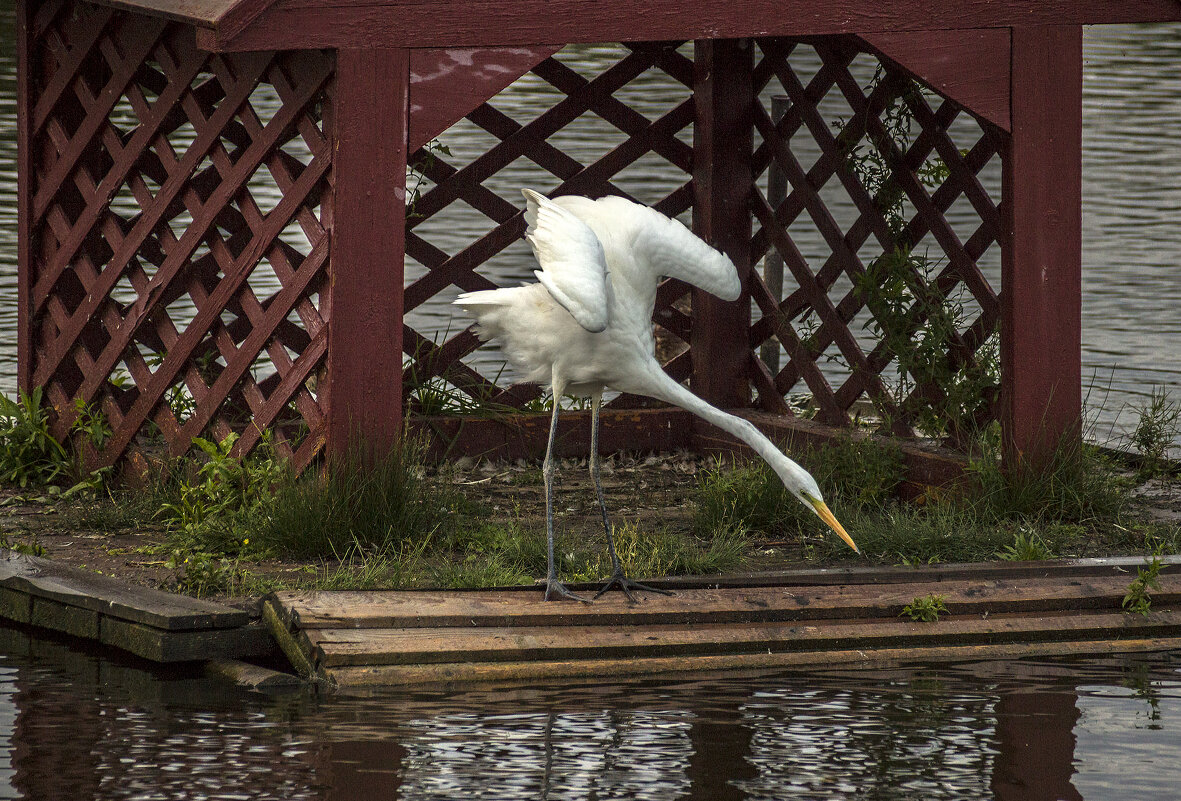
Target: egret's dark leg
[(617, 577), (554, 589)]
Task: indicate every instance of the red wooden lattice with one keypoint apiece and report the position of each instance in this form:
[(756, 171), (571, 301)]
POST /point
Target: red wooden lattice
[(928, 176), (180, 215), (867, 237), (180, 236)]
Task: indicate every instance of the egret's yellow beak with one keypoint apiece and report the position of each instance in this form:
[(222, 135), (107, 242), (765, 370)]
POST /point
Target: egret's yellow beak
[(828, 517)]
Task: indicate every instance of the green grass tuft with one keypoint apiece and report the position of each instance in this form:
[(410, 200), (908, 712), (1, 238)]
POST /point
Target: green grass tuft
[(376, 505)]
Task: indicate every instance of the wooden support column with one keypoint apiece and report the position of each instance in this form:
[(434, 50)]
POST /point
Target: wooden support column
[(722, 145), (24, 197), (370, 113), (1041, 284)]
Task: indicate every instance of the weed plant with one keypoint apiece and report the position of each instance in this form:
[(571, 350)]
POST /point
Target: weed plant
[(213, 513), (925, 609), (854, 473), (1158, 426), (29, 455)]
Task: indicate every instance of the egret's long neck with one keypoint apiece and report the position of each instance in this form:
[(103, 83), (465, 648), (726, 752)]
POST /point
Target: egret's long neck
[(661, 387)]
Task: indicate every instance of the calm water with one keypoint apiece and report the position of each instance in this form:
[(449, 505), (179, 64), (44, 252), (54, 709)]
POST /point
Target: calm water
[(76, 726), (1132, 201)]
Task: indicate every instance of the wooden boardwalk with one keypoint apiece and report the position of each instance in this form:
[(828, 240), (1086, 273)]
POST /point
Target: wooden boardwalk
[(790, 619)]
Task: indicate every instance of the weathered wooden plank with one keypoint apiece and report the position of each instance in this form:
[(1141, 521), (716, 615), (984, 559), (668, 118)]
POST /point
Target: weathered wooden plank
[(1120, 566), (69, 619), (467, 672), (414, 23), (15, 605), (1041, 258), (251, 677), (182, 646), (370, 108), (203, 13), (337, 647), (277, 621), (324, 610), (44, 578), (970, 67)]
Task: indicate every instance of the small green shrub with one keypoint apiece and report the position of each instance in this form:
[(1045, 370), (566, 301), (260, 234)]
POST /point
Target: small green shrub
[(211, 513), (1027, 546), (29, 455), (1138, 599), (853, 473), (1158, 425), (1078, 483), (925, 609), (201, 574)]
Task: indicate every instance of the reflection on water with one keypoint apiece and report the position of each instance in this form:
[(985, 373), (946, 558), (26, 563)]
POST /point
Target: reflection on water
[(76, 726), (1132, 197)]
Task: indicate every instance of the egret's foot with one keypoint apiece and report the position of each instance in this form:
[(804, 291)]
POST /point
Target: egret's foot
[(627, 585), (556, 591)]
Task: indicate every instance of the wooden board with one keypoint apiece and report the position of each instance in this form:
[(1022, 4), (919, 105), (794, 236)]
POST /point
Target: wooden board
[(463, 673), (354, 637), (406, 610), (44, 578), (149, 623), (335, 647), (414, 23)]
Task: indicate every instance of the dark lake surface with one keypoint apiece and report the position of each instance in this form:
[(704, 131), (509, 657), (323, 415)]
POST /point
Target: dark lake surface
[(1132, 204), (76, 726)]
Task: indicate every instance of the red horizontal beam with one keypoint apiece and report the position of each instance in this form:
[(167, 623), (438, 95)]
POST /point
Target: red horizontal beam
[(300, 24), (523, 436)]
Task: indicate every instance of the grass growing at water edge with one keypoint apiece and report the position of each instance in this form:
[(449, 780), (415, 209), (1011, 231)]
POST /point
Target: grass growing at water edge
[(1077, 504)]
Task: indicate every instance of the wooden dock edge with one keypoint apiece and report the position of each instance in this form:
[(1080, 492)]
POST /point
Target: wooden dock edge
[(465, 673), (151, 624)]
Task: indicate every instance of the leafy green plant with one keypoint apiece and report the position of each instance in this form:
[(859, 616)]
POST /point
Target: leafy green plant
[(925, 609), (1027, 546), (853, 472), (208, 512), (31, 548), (1158, 426), (200, 574), (29, 455), (91, 423), (1138, 599)]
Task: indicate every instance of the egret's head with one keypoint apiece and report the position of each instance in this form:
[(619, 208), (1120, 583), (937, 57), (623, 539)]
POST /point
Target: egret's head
[(804, 487)]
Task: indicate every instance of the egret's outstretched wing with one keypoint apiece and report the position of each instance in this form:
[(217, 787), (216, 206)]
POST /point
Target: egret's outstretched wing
[(573, 267), (674, 250), (661, 243)]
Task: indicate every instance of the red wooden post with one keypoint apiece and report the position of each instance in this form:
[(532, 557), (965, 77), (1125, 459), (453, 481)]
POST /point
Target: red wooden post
[(722, 145), (24, 196), (1041, 284), (370, 112)]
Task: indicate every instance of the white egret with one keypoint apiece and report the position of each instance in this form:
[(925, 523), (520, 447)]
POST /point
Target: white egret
[(586, 327)]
